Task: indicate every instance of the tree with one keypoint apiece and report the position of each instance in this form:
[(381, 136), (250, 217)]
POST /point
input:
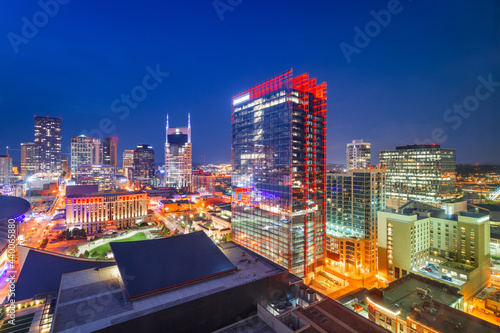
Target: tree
[(86, 254), (44, 243), (95, 254), (73, 249)]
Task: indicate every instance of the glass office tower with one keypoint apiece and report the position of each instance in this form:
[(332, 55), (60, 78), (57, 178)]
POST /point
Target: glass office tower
[(48, 144), (178, 157), (279, 159), (424, 173)]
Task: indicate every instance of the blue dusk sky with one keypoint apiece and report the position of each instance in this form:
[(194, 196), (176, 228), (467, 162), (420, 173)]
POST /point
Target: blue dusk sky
[(398, 72)]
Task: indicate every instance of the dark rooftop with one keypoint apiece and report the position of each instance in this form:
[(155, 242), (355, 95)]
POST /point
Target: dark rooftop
[(447, 319), (106, 194), (166, 263), (12, 207), (332, 316), (32, 282)]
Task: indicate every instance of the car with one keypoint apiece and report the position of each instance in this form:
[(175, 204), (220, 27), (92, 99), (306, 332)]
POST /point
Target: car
[(496, 262), (358, 308)]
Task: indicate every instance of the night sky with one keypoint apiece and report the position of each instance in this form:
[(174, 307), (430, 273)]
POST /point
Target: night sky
[(395, 90)]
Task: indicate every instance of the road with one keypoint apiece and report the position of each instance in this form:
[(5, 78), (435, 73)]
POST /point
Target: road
[(170, 223)]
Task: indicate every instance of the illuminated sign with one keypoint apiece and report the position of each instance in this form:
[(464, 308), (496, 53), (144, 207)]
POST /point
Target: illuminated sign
[(241, 99)]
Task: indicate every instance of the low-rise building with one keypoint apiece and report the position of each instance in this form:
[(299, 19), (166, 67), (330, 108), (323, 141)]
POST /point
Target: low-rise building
[(106, 210), (415, 303)]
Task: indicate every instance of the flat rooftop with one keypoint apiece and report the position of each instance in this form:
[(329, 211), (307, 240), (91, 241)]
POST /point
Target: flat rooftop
[(447, 319), (402, 295), (331, 316), (92, 286)]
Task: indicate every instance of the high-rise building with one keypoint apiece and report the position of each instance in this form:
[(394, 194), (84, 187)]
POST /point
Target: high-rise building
[(5, 169), (28, 166), (358, 155), (110, 151), (178, 157), (64, 164), (97, 151), (279, 161), (48, 144), (424, 173), (96, 174), (352, 202), (128, 163), (81, 152), (144, 162)]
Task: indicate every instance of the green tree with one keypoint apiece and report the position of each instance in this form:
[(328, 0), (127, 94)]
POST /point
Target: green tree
[(73, 249), (95, 254), (86, 254), (44, 243)]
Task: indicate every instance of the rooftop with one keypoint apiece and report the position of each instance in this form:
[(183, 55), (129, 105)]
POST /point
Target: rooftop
[(171, 262), (410, 291), (33, 262), (92, 286), (447, 319), (105, 194), (12, 207)]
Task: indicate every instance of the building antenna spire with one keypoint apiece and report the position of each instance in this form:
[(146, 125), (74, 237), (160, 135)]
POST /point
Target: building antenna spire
[(166, 132), (189, 120)]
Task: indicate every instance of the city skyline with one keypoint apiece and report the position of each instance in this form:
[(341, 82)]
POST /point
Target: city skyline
[(395, 90)]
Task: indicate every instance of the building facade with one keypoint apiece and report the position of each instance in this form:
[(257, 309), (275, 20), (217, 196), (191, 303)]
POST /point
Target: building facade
[(97, 151), (178, 157), (425, 173), (48, 144), (81, 152), (279, 160), (457, 246), (100, 211), (110, 151), (128, 163), (5, 169), (358, 155), (28, 166), (352, 202), (96, 174), (144, 162)]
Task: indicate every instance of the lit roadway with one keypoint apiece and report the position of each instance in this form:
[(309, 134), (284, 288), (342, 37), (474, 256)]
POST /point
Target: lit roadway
[(169, 222)]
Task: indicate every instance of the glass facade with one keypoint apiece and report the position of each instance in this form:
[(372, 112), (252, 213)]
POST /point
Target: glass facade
[(110, 151), (358, 155), (178, 157), (353, 200), (424, 173), (278, 156), (48, 144), (144, 162)]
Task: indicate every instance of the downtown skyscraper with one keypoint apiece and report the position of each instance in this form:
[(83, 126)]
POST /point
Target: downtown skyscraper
[(178, 156), (424, 173), (358, 155), (48, 144), (279, 161), (110, 151), (81, 152)]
